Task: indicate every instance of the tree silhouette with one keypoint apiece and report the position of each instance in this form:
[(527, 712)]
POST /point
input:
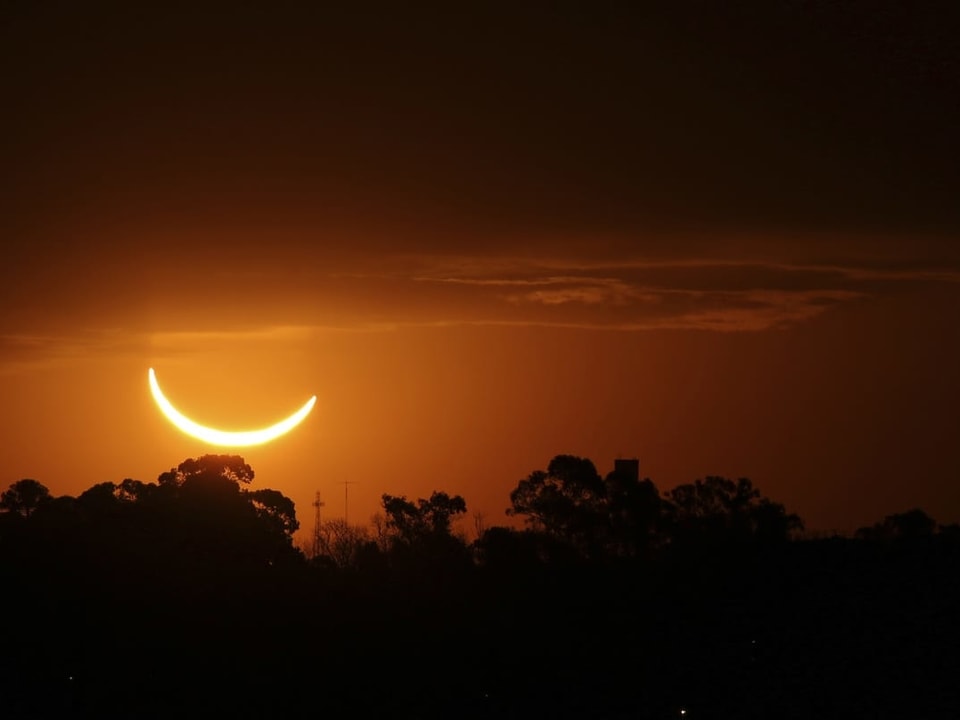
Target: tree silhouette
[(565, 501), (100, 499), (624, 516), (418, 522), (206, 514), (227, 467), (134, 586), (342, 543), (719, 509), (910, 525), (24, 497), (617, 516), (275, 508), (420, 534), (505, 549), (635, 512), (130, 490)]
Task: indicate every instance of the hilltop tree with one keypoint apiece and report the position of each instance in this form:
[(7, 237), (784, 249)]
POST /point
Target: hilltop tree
[(231, 468), (24, 497), (207, 508)]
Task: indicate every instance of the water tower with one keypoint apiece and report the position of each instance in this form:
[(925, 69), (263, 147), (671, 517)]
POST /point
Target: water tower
[(627, 468)]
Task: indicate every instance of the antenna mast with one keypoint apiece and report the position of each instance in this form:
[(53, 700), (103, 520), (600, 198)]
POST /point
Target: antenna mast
[(317, 503)]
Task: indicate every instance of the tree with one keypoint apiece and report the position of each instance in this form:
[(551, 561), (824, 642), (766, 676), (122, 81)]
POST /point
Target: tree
[(419, 535), (910, 525), (130, 490), (24, 497), (418, 522), (209, 486), (275, 508), (635, 513), (342, 543), (626, 517), (99, 500), (226, 467), (502, 548), (719, 509), (565, 501), (617, 516), (207, 511)]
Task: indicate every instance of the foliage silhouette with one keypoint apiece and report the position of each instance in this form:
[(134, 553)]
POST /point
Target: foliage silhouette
[(719, 510), (412, 523), (911, 525), (231, 468), (420, 533), (156, 599), (24, 497), (566, 501)]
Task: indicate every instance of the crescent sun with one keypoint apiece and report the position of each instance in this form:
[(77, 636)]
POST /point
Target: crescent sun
[(224, 438)]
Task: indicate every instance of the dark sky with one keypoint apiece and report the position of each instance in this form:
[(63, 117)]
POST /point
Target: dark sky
[(593, 116), (697, 177)]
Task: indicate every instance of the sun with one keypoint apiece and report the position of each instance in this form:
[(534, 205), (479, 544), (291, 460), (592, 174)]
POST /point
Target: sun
[(224, 438)]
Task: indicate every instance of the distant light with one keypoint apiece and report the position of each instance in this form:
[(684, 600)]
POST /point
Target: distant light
[(683, 711)]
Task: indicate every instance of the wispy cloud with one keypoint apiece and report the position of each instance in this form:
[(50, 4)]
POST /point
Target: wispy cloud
[(524, 270), (32, 350), (719, 295), (630, 295)]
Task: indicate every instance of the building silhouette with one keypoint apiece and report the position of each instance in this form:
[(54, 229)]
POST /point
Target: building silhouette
[(628, 468)]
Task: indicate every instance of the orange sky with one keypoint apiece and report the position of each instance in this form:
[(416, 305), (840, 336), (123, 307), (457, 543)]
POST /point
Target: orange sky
[(845, 412), (613, 236)]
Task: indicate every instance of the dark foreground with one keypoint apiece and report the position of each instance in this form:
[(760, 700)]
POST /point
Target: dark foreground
[(186, 597), (835, 628)]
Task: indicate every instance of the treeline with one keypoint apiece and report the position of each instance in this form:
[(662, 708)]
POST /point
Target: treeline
[(142, 599), (572, 515)]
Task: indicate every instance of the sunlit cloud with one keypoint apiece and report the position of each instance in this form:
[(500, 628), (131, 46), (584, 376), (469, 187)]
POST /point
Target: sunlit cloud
[(705, 294), (628, 295)]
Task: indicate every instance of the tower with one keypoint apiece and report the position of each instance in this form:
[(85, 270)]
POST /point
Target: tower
[(346, 496), (317, 503), (627, 468)]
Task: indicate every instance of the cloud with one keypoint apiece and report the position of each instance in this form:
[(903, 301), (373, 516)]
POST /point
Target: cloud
[(630, 295), (27, 350), (719, 295)]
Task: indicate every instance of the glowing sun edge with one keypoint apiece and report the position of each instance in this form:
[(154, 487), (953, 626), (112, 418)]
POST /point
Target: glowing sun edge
[(222, 437)]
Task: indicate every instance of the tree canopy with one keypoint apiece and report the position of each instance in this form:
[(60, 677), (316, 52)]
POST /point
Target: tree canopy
[(24, 497), (622, 515)]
